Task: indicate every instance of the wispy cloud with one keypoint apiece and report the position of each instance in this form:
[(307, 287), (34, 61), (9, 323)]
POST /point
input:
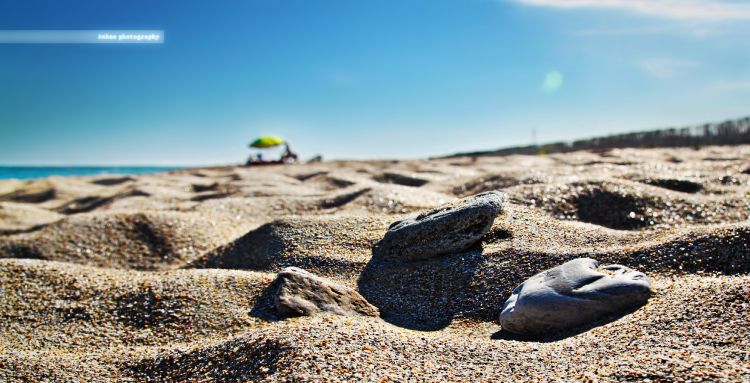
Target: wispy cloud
[(732, 86), (665, 68), (715, 10), (696, 30)]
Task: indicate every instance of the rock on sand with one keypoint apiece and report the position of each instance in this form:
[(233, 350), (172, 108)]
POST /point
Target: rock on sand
[(302, 293), (573, 294), (450, 228)]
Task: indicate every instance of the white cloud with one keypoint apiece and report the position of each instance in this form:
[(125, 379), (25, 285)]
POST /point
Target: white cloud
[(732, 86), (715, 10), (698, 30), (665, 68)]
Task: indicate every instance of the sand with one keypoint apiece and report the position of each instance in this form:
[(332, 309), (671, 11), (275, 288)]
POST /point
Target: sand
[(165, 277)]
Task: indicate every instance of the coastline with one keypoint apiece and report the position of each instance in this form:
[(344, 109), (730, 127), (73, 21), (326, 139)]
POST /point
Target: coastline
[(44, 171)]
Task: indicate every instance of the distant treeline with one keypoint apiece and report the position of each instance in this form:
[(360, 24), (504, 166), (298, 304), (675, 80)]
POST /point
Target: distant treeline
[(731, 132)]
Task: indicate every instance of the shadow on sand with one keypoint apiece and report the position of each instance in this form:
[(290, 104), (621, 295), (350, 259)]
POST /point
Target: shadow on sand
[(427, 295), (507, 335)]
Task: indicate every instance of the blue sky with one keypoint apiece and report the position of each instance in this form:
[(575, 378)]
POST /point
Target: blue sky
[(362, 79)]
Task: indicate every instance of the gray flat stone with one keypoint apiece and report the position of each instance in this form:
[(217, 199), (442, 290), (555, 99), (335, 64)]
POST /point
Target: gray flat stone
[(573, 294), (450, 228), (303, 293)]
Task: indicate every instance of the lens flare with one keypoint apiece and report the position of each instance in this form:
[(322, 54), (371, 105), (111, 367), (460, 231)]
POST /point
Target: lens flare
[(553, 81)]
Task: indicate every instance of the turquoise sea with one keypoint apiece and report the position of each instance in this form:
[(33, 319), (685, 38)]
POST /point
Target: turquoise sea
[(29, 172)]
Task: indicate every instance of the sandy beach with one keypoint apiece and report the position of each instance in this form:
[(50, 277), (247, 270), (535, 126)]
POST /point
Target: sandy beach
[(167, 277)]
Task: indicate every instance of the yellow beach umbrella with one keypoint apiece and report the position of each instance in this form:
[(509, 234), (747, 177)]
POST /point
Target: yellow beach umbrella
[(267, 142)]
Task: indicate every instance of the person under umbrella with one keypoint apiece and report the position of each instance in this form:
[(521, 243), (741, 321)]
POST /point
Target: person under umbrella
[(266, 142)]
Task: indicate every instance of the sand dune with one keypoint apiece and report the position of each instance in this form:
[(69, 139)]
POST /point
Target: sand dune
[(167, 277)]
